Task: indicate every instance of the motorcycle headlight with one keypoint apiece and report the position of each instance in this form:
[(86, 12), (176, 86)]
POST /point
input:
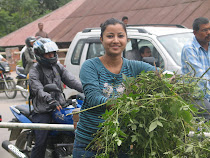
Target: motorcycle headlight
[(7, 69)]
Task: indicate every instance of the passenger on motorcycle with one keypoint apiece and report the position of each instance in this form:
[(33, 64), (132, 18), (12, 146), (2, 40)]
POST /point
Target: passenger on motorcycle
[(47, 71), (28, 57)]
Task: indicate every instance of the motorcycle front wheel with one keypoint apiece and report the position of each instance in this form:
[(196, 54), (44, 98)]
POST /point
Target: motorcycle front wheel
[(24, 143), (10, 89)]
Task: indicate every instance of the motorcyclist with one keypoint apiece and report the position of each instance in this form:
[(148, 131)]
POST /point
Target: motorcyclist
[(44, 103), (29, 59)]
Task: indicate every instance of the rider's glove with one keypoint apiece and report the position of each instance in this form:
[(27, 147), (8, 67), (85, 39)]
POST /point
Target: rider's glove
[(53, 104)]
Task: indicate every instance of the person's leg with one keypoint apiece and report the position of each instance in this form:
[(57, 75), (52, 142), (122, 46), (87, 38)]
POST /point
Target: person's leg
[(80, 152), (38, 150), (123, 155)]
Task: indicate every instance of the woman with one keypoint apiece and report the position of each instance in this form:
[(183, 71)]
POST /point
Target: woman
[(101, 78)]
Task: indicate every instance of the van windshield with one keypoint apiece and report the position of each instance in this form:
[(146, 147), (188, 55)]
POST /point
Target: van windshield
[(174, 44)]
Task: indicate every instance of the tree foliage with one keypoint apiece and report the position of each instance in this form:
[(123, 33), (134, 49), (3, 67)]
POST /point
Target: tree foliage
[(153, 118), (14, 14)]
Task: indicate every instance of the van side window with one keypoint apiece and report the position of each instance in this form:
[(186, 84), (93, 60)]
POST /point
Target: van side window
[(131, 50), (75, 60), (159, 60), (95, 50)]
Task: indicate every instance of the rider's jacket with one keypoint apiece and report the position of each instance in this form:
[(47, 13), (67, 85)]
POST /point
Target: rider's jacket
[(29, 57), (50, 75)]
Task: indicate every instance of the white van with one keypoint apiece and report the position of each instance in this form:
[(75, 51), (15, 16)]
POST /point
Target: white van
[(165, 42)]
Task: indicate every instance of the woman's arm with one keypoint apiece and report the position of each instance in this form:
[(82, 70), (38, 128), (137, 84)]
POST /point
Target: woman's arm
[(89, 76)]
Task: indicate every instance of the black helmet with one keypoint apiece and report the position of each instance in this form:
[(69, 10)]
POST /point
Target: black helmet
[(43, 46), (28, 40)]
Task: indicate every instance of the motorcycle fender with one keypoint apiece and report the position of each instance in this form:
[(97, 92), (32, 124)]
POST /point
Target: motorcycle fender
[(15, 132)]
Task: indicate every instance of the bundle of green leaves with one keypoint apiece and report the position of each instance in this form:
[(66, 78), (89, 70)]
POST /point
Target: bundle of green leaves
[(153, 118)]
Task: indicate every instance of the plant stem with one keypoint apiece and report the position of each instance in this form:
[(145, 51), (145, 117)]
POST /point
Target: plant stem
[(185, 139), (87, 109)]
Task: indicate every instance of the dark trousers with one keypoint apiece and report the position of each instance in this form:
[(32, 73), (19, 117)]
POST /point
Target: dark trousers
[(39, 149), (80, 152)]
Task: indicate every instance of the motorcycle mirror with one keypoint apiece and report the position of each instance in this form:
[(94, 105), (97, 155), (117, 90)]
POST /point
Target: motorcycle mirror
[(51, 88)]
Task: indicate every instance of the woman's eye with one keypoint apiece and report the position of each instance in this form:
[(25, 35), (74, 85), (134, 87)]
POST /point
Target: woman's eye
[(109, 36), (120, 36)]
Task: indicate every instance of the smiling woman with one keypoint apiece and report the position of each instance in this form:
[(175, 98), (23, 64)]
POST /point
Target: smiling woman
[(114, 40), (102, 79)]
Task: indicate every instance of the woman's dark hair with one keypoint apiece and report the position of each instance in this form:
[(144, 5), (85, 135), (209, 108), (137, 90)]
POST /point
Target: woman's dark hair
[(198, 21), (111, 21)]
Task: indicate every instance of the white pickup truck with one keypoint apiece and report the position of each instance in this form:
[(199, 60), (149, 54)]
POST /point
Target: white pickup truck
[(165, 42)]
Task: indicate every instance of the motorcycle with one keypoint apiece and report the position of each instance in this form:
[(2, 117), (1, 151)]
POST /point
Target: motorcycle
[(60, 143), (7, 84), (22, 82)]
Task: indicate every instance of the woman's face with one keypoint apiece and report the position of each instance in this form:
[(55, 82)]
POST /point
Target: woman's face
[(114, 39)]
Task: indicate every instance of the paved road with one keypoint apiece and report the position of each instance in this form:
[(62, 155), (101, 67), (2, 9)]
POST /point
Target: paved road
[(7, 116)]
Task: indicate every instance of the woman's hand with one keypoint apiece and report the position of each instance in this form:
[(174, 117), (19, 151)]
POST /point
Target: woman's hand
[(108, 107), (110, 104)]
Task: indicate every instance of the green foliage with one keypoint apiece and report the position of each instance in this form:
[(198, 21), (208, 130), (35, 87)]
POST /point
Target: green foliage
[(15, 14), (4, 19), (52, 4), (19, 63), (153, 119)]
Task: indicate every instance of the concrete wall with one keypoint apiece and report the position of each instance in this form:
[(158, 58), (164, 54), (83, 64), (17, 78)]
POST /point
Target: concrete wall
[(12, 57)]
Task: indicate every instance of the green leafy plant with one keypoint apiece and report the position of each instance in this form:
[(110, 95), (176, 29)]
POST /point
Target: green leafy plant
[(153, 118)]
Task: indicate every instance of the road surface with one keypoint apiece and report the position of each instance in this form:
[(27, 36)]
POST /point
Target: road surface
[(7, 115)]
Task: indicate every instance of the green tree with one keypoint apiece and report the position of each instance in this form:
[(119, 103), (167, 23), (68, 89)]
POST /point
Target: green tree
[(53, 4), (4, 19), (14, 14)]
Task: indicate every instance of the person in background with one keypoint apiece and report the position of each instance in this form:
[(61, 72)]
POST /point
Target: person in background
[(145, 51), (28, 57), (196, 54), (45, 103), (133, 54), (24, 48), (41, 33), (101, 78), (125, 20)]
